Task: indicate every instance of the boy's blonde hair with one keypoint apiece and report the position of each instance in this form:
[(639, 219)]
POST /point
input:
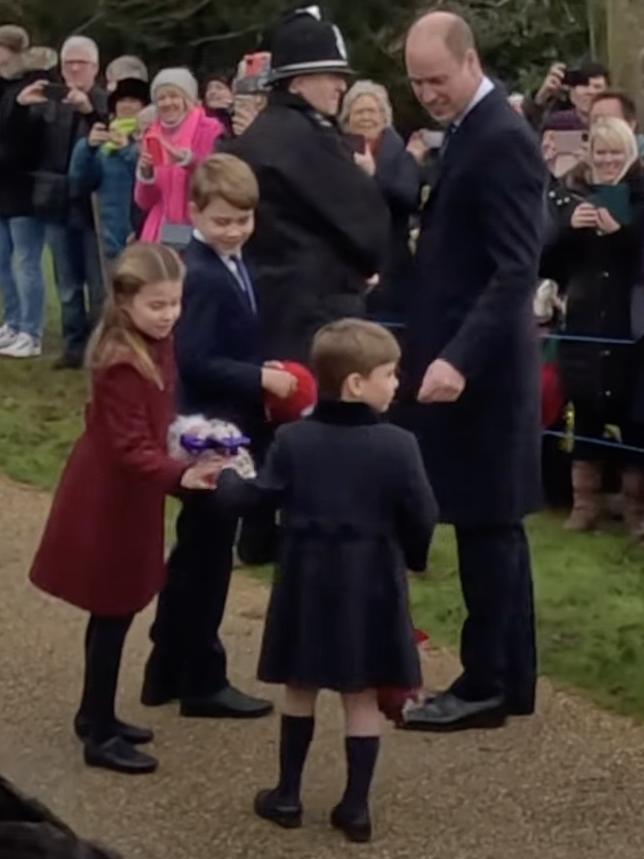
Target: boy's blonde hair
[(140, 264), (350, 346), (224, 177)]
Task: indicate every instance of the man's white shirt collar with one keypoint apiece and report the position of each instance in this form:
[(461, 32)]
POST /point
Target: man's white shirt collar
[(485, 88)]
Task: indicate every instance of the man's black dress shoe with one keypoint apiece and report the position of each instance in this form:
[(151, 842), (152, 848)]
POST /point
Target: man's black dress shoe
[(356, 827), (229, 703), (132, 734), (270, 806), (117, 755), (446, 712)]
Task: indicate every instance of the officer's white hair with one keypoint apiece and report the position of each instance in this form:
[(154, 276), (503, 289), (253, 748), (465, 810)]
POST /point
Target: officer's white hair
[(370, 88)]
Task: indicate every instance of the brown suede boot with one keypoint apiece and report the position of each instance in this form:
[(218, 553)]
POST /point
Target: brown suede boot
[(633, 499), (586, 485)]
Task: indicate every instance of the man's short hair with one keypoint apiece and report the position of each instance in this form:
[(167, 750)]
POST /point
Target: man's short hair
[(350, 346), (460, 38), (83, 43), (593, 69), (629, 108), (224, 177)]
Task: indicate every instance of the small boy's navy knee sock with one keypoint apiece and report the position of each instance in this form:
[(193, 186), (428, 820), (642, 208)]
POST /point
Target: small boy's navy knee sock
[(362, 754), (295, 739)]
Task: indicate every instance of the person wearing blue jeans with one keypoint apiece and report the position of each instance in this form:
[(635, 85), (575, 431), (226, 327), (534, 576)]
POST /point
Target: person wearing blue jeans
[(22, 286), (76, 267)]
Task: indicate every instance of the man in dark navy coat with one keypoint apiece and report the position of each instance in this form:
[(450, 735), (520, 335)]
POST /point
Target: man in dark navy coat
[(471, 366)]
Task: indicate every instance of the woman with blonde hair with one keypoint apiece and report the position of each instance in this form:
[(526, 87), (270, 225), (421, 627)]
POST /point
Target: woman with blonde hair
[(367, 120), (595, 257)]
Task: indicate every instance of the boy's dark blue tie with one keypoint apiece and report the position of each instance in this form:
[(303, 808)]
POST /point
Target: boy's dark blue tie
[(245, 282)]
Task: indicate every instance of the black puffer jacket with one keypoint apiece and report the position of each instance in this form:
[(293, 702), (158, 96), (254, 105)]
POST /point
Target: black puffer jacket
[(19, 148), (322, 224), (597, 273)]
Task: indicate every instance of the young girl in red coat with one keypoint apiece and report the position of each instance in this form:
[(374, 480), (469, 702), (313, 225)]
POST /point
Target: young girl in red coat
[(102, 549)]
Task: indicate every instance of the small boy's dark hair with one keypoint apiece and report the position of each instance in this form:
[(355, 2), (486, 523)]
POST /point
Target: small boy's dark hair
[(350, 346), (224, 177)]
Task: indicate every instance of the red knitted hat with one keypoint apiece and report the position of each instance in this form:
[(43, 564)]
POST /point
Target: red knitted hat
[(301, 402)]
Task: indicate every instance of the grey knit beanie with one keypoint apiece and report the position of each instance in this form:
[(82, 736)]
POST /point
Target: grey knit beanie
[(180, 78)]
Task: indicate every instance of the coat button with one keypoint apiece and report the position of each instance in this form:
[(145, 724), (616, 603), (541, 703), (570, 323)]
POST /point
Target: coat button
[(605, 274), (606, 353), (552, 194), (608, 393)]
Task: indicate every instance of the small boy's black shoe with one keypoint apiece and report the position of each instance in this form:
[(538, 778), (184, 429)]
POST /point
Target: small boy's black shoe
[(131, 733), (117, 755), (270, 806), (356, 827)]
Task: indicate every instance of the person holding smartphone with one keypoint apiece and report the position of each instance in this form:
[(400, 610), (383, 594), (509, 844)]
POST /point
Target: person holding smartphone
[(179, 139), (59, 114), (564, 99), (594, 254), (367, 119)]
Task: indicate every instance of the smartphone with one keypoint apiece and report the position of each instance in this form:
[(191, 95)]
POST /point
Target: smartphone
[(569, 142), (615, 198), (432, 139), (357, 143), (575, 77), (155, 150), (55, 92)]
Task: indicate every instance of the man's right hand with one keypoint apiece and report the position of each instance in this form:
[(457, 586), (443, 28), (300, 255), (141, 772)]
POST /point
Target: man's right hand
[(98, 135), (552, 85), (33, 94), (278, 382)]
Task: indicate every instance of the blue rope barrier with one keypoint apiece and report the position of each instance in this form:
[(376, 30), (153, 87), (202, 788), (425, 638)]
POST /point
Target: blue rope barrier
[(575, 338), (578, 338), (596, 441)]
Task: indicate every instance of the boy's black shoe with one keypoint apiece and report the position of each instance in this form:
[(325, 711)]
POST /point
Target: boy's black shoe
[(270, 806), (117, 755), (130, 733), (229, 703), (356, 827)]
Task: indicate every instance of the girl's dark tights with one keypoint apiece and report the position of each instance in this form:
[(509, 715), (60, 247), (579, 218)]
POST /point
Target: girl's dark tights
[(104, 641)]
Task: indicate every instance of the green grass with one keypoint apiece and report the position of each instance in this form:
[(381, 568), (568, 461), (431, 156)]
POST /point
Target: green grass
[(590, 588)]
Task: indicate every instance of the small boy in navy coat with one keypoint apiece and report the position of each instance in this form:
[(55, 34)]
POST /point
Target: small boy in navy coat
[(221, 375)]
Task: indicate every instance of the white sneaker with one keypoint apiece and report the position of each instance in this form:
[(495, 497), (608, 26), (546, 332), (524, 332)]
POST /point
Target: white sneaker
[(23, 346), (7, 335)]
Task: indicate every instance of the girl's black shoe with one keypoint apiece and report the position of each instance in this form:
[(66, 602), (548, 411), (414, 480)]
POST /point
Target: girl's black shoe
[(356, 827), (117, 755), (131, 733), (270, 806)]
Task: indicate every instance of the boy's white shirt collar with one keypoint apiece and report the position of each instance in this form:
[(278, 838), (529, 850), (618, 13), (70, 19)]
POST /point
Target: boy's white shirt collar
[(199, 236)]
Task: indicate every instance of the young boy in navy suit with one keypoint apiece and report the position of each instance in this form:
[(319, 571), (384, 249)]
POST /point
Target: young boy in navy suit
[(221, 375)]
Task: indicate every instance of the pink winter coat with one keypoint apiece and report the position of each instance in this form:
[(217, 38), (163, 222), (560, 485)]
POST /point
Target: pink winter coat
[(165, 197)]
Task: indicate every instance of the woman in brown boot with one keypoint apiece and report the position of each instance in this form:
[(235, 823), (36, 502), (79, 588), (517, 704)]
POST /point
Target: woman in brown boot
[(598, 210)]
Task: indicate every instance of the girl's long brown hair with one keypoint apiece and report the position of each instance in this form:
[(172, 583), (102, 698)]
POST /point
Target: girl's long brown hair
[(115, 336)]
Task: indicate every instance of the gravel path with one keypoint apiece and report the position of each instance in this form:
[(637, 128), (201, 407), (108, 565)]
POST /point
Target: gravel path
[(566, 783)]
